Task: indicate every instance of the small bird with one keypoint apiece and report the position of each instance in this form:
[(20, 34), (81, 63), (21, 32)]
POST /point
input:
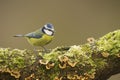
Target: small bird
[(40, 37)]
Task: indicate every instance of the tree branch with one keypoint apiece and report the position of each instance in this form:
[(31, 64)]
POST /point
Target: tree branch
[(95, 60)]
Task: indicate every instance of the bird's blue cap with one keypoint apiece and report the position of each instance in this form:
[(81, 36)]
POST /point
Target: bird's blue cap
[(49, 26)]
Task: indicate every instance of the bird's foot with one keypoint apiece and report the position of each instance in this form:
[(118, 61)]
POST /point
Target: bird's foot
[(37, 54)]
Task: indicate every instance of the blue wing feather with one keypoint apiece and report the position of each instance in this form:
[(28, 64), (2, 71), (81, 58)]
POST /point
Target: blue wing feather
[(33, 35)]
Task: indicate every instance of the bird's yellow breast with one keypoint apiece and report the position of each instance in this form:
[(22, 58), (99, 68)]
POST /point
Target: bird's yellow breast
[(45, 39)]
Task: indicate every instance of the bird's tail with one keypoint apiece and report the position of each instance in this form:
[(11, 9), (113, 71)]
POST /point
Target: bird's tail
[(19, 35)]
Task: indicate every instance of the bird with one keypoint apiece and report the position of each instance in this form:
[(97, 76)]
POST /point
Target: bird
[(40, 37)]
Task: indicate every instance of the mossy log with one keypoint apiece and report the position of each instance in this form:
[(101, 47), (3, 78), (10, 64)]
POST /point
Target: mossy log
[(95, 60)]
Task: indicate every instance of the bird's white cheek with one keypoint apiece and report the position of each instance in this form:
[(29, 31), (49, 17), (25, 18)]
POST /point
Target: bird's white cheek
[(48, 32)]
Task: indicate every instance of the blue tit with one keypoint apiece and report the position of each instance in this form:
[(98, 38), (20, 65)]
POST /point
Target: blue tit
[(40, 37)]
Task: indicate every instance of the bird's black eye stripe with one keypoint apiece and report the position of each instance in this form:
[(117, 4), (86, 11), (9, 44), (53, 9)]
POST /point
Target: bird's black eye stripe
[(49, 29), (43, 29)]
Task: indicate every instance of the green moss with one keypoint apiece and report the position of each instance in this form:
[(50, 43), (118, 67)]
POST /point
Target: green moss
[(63, 61), (110, 42), (15, 59)]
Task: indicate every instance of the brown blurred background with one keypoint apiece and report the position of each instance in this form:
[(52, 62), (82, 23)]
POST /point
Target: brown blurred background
[(74, 20)]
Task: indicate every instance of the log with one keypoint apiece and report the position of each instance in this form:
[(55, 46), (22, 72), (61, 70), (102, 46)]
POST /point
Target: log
[(98, 59)]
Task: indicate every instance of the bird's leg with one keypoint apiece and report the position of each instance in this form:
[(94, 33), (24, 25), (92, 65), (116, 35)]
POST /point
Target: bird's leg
[(45, 50), (36, 53)]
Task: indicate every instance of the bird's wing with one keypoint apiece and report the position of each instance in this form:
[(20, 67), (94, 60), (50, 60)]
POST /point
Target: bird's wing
[(33, 35)]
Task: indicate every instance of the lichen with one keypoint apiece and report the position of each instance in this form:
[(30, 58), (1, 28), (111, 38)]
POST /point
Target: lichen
[(77, 62), (13, 60)]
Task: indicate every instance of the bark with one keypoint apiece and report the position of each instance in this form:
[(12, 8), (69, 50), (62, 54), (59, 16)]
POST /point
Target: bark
[(96, 60)]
